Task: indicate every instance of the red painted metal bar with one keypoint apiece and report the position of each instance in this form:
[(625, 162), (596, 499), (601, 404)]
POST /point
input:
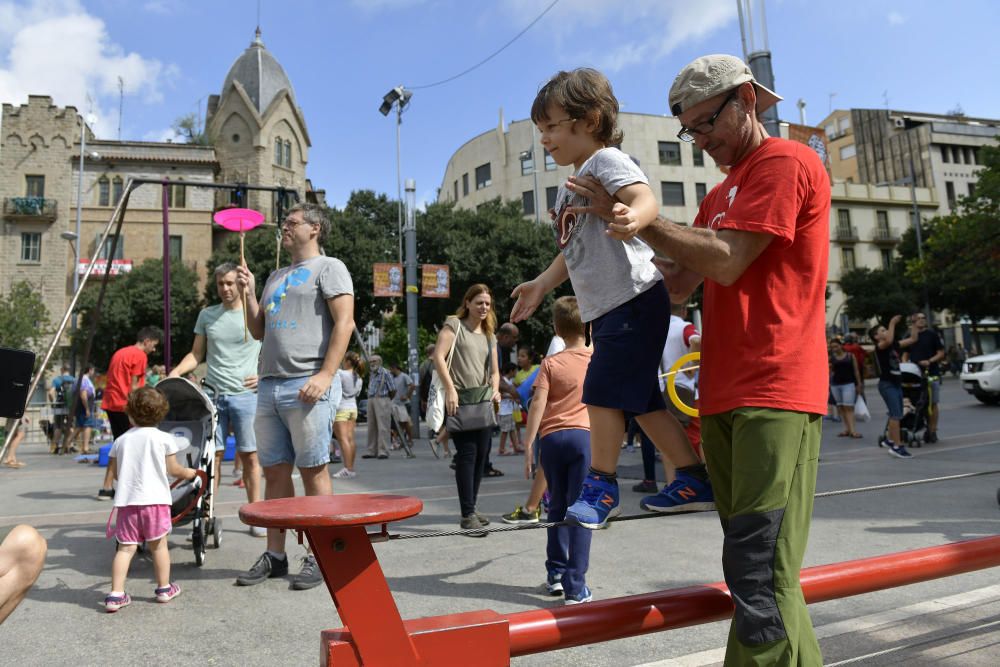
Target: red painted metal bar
[(551, 629)]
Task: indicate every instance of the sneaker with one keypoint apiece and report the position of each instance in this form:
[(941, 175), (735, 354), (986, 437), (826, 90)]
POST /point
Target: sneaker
[(106, 494), (167, 593), (583, 596), (113, 603), (266, 567), (258, 531), (309, 576), (900, 452), (472, 523), (684, 494), (483, 519), (520, 515), (344, 473), (597, 503), (646, 486), (553, 583)]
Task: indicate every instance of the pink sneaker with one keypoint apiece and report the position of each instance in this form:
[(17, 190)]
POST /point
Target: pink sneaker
[(167, 593), (113, 603)]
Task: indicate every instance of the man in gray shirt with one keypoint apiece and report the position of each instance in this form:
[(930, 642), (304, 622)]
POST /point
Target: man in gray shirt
[(305, 320)]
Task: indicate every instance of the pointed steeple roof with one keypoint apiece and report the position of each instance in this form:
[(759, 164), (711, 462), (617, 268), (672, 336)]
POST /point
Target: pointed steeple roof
[(260, 74)]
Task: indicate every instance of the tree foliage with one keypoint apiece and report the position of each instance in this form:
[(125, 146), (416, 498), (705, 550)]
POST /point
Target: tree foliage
[(24, 319), (393, 344), (878, 293), (135, 300), (188, 128)]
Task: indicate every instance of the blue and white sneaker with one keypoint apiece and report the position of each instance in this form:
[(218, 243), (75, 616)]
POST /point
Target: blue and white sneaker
[(684, 494), (900, 452), (583, 596), (553, 583), (597, 503)]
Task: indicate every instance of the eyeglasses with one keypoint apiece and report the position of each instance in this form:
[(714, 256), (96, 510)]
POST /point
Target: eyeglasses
[(291, 223), (706, 127), (553, 124)]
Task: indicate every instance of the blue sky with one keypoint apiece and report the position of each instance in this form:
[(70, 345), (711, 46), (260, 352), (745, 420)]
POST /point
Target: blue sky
[(343, 55)]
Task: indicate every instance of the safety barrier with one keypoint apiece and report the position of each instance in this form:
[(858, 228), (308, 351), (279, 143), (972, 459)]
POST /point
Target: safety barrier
[(375, 634)]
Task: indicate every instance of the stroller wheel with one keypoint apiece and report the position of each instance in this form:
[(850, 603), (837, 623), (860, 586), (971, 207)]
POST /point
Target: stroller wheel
[(198, 543), (216, 533)]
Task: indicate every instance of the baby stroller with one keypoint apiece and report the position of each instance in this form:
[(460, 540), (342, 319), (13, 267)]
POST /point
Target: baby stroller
[(191, 420), (916, 405)]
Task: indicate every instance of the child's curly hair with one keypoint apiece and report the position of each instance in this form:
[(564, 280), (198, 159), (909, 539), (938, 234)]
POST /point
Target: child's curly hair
[(582, 93), (147, 406)]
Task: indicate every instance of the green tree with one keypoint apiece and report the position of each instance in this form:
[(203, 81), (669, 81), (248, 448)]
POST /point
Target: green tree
[(188, 128), (393, 344), (135, 300), (24, 319), (878, 293)]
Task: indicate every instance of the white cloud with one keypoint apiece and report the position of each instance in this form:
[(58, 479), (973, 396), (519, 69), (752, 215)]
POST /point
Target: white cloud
[(642, 34), (54, 47), (156, 7), (895, 18), (162, 134)]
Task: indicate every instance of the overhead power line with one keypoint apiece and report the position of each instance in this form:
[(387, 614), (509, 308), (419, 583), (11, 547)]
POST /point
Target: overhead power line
[(492, 55)]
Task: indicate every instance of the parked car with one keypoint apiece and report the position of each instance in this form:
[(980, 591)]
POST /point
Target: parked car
[(981, 377)]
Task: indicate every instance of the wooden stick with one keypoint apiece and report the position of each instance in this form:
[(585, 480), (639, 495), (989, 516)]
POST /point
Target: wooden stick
[(243, 296)]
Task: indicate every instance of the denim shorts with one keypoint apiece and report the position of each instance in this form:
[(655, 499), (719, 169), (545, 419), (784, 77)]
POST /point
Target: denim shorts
[(935, 391), (290, 431), (892, 394), (628, 344), (844, 394), (236, 411)]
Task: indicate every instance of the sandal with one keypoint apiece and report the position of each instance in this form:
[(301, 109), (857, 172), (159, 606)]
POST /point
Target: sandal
[(13, 464), (857, 436), (843, 434), (493, 472)]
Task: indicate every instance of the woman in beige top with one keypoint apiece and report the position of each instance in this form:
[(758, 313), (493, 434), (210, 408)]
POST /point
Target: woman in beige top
[(473, 364)]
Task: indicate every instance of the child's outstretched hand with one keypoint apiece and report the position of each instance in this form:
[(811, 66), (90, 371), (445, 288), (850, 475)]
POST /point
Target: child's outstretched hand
[(529, 295)]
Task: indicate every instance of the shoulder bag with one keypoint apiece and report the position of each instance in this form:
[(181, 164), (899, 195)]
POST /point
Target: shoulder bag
[(475, 404)]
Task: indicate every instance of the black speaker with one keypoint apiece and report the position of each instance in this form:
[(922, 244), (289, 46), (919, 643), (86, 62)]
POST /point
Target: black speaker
[(15, 378)]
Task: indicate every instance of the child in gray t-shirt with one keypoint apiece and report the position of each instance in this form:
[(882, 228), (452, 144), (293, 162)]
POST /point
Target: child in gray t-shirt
[(620, 292)]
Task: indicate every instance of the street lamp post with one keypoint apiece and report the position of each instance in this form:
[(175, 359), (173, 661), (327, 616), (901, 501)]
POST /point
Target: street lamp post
[(398, 97), (79, 213)]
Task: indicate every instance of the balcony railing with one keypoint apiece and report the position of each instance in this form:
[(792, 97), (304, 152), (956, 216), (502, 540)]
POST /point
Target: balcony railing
[(30, 209), (885, 236), (846, 234)]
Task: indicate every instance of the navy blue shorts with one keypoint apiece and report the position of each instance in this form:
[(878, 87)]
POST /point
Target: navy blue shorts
[(628, 346)]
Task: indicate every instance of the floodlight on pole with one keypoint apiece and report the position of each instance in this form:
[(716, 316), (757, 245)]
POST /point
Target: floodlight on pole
[(398, 97)]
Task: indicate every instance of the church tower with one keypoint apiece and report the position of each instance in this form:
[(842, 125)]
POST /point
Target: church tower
[(257, 129)]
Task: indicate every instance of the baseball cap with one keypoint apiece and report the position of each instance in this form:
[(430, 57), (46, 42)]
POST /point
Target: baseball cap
[(708, 76)]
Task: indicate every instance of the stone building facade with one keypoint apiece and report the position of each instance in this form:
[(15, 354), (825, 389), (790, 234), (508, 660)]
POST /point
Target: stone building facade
[(256, 134)]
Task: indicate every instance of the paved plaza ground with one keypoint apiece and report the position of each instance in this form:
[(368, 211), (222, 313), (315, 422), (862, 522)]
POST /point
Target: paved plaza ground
[(950, 621)]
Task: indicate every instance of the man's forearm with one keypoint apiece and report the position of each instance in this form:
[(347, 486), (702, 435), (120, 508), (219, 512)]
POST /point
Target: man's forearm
[(694, 248)]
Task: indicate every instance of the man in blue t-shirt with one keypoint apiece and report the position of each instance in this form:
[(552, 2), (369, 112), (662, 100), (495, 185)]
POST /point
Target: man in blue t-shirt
[(926, 350)]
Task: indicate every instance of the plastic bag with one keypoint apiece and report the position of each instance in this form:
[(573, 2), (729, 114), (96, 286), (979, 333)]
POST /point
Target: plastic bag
[(861, 412)]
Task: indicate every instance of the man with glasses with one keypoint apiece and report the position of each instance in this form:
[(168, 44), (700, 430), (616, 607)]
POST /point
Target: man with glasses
[(925, 349), (759, 243), (304, 320)]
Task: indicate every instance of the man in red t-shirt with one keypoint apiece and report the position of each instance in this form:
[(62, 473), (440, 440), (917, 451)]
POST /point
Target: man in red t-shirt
[(126, 371), (760, 244)]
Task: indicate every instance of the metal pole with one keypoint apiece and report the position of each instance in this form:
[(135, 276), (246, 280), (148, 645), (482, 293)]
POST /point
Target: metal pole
[(920, 243), (412, 290), (79, 240), (399, 179), (534, 173), (166, 276)]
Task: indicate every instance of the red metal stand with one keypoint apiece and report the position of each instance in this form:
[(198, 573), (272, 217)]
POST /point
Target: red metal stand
[(376, 635)]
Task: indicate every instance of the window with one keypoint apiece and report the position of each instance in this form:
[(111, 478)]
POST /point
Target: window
[(972, 190), (103, 191), (672, 193), (670, 152), (288, 154), (550, 163), (831, 130), (34, 186), (946, 154), (177, 196), (483, 177), (31, 247), (119, 250), (456, 189), (847, 259), (527, 163), (886, 258), (882, 223), (969, 155), (700, 190), (844, 219), (277, 150), (699, 156), (528, 202), (949, 188), (847, 152), (550, 197), (117, 186), (465, 184), (176, 248), (844, 122)]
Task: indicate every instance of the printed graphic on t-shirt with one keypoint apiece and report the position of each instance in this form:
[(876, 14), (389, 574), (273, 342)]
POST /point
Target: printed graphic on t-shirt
[(566, 223), (293, 279)]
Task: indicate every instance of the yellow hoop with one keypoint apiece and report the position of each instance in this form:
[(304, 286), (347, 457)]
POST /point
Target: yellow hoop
[(672, 378)]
